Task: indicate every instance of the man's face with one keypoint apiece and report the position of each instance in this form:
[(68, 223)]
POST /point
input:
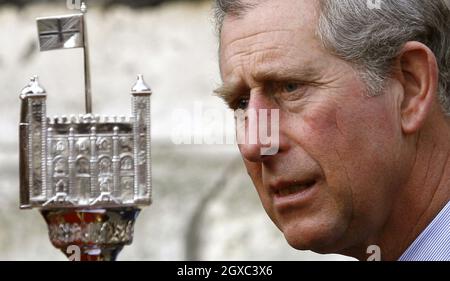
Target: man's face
[(331, 185)]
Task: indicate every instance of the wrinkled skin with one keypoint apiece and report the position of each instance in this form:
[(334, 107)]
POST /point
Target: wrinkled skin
[(355, 149)]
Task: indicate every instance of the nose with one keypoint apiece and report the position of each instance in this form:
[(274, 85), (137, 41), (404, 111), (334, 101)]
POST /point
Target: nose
[(258, 130)]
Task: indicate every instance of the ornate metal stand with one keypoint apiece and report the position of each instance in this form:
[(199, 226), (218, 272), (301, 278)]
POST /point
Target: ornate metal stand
[(89, 175), (99, 234)]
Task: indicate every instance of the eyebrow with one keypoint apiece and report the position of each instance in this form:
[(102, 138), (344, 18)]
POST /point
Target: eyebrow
[(230, 91), (306, 74)]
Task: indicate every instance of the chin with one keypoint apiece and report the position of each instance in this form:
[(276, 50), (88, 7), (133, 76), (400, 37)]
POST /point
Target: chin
[(319, 237)]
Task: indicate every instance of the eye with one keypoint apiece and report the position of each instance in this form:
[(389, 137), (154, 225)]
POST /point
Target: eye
[(290, 87)]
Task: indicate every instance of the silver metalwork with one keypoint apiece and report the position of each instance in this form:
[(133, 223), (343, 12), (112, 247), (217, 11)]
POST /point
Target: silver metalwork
[(67, 32), (86, 160), (88, 174), (63, 32), (87, 70), (99, 234)]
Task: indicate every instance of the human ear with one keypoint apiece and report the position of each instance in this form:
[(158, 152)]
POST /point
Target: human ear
[(419, 71)]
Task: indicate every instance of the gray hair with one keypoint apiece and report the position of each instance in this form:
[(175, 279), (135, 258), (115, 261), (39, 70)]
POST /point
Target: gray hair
[(371, 37)]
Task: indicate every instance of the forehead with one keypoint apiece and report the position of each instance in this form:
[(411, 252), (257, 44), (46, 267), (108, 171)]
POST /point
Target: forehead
[(272, 32), (276, 13)]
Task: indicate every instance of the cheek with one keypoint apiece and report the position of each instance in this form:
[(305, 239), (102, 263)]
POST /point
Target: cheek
[(349, 129), (353, 140), (325, 139)]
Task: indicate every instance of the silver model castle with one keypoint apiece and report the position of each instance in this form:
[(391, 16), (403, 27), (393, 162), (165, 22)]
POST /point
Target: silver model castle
[(84, 161), (88, 175)]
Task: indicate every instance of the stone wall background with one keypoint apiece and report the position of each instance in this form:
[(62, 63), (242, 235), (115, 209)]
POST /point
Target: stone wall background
[(205, 207)]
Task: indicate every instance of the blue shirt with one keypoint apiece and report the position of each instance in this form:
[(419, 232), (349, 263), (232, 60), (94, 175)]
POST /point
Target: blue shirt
[(433, 244)]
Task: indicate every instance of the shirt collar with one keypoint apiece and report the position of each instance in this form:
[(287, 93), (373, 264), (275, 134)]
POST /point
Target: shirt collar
[(433, 244)]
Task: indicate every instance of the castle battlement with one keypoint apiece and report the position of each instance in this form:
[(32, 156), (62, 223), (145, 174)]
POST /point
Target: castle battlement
[(89, 119)]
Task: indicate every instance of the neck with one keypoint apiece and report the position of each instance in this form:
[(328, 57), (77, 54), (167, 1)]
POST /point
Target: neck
[(420, 197), (425, 193)]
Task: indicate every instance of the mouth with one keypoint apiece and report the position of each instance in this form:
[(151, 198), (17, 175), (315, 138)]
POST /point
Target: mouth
[(293, 192), (290, 190)]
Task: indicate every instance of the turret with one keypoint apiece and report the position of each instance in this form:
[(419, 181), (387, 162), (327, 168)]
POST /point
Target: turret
[(33, 131), (141, 94)]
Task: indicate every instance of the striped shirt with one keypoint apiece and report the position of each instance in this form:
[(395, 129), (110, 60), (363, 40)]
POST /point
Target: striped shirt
[(433, 244)]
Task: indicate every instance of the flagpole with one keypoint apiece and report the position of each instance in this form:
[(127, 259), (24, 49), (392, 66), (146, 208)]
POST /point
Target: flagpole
[(87, 71)]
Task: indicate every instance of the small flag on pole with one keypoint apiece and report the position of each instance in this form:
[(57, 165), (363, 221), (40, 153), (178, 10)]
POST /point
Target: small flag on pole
[(63, 32), (67, 32)]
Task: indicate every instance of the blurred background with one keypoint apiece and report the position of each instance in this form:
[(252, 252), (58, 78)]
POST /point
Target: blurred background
[(205, 207)]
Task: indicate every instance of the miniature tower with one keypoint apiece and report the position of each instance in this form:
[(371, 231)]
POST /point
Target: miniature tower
[(142, 128), (33, 146)]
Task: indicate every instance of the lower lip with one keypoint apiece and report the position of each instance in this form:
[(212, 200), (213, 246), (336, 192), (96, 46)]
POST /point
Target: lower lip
[(296, 199)]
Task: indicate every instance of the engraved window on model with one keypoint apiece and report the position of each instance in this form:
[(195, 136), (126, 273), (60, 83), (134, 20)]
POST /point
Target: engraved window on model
[(127, 183), (104, 165), (127, 187), (126, 163), (60, 146), (61, 186), (104, 144), (83, 146), (126, 144), (127, 176), (105, 184), (60, 166), (105, 174), (82, 166)]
